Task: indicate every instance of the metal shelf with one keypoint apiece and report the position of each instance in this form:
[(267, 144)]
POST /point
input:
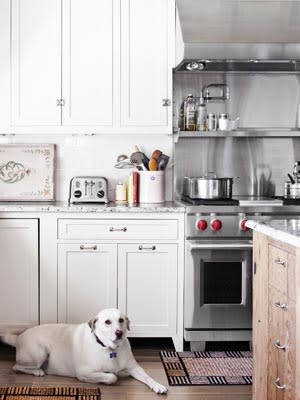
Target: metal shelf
[(243, 132)]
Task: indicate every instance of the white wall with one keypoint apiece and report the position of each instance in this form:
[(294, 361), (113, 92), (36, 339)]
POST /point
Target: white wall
[(96, 155)]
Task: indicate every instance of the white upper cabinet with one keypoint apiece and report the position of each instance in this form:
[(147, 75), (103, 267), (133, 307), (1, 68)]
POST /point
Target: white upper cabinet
[(91, 66), (4, 66), (147, 31), (88, 62), (36, 62)]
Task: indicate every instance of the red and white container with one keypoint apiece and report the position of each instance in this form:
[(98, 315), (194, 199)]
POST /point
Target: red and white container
[(152, 187)]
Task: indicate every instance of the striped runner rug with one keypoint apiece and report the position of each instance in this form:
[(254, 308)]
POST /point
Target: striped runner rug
[(49, 393), (208, 367)]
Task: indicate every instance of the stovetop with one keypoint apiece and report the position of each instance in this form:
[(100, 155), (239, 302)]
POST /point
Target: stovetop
[(210, 202), (243, 201)]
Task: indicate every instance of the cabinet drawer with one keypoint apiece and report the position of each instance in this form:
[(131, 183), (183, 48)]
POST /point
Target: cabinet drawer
[(93, 229), (278, 267)]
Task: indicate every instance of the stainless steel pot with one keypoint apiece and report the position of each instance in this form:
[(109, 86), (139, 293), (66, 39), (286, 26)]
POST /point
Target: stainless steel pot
[(292, 190), (207, 187)]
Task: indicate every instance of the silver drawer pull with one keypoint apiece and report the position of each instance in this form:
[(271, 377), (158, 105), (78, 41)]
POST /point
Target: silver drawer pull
[(279, 305), (112, 229), (147, 248), (277, 384), (280, 346), (82, 247), (280, 262)]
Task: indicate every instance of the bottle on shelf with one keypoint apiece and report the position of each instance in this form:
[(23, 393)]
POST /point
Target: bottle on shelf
[(189, 109), (201, 116)]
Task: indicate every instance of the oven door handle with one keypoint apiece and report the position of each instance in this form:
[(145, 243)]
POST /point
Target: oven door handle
[(213, 246)]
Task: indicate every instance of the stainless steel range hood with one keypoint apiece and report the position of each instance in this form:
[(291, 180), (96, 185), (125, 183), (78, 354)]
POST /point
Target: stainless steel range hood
[(238, 29)]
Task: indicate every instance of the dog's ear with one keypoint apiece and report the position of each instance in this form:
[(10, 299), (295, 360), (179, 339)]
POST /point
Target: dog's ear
[(92, 323), (127, 323)]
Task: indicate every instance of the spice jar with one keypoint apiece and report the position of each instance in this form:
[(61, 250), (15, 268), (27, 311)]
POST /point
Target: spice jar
[(224, 122), (212, 122)]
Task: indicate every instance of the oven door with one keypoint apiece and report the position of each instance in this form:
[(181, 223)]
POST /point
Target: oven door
[(218, 285)]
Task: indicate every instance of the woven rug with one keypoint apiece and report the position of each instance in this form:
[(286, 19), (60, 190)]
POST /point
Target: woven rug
[(208, 368), (53, 393)]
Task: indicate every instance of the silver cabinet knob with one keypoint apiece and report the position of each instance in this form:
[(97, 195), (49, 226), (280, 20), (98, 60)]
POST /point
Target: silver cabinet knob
[(60, 102), (112, 229), (278, 385), (280, 262), (141, 247), (83, 247), (166, 102), (280, 346), (279, 305)]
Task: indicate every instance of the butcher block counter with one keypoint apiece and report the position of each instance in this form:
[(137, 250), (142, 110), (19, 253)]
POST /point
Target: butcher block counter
[(276, 309)]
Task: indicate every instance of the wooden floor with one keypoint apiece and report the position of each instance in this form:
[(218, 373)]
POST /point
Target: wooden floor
[(125, 388)]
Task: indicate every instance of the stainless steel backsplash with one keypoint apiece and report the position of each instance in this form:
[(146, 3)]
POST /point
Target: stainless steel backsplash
[(260, 100), (260, 165)]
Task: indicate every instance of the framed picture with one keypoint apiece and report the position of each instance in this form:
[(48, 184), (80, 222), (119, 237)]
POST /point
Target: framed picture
[(27, 172)]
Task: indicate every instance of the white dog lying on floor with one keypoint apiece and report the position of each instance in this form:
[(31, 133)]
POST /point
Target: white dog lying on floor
[(94, 352)]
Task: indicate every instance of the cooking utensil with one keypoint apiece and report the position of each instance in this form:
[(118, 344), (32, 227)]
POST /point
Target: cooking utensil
[(291, 178), (207, 187), (156, 154), (138, 158), (162, 162), (153, 164), (123, 162)]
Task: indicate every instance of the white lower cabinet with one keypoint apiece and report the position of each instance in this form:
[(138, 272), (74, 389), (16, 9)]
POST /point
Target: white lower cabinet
[(19, 283), (147, 287), (87, 280)]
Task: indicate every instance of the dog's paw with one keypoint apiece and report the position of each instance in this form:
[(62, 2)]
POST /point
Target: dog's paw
[(110, 378), (159, 389), (39, 372)]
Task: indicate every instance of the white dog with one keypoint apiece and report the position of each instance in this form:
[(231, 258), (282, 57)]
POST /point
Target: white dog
[(96, 351)]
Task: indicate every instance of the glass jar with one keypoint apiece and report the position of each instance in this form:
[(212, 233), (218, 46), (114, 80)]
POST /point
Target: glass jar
[(224, 122)]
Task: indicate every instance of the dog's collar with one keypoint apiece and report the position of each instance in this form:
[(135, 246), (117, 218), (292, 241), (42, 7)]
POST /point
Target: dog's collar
[(112, 354), (98, 340)]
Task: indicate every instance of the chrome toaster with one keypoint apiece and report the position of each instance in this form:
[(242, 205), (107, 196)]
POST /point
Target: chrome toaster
[(88, 189)]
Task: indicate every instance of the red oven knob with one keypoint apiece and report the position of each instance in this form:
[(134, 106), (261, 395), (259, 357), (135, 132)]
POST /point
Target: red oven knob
[(216, 225), (201, 225), (243, 226)]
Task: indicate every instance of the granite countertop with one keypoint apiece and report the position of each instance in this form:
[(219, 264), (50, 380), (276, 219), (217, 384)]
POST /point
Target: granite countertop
[(284, 230), (167, 207)]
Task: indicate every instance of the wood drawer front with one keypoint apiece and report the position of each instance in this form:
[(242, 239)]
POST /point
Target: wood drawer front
[(278, 267), (93, 229)]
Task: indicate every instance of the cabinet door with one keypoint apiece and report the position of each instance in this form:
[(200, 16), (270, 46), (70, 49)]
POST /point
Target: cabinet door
[(4, 66), (36, 62), (87, 280), (147, 284), (88, 62), (19, 269), (146, 63)]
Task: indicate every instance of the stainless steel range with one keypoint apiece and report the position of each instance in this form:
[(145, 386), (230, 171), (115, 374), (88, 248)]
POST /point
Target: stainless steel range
[(218, 274)]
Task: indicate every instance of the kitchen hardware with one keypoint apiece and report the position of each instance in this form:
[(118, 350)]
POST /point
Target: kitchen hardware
[(216, 92), (88, 189), (280, 346), (112, 229), (207, 187), (278, 384), (83, 247), (141, 247)]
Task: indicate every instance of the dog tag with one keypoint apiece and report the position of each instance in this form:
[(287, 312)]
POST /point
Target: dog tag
[(113, 354)]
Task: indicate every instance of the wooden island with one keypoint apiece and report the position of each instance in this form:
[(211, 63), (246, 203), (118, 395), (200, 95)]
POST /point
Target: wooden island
[(276, 309)]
